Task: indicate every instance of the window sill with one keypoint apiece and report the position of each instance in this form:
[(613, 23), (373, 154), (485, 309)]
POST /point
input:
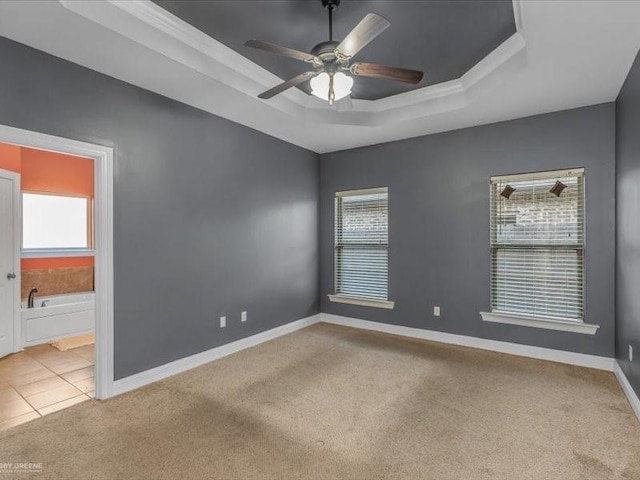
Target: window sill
[(363, 302), (57, 252), (540, 322)]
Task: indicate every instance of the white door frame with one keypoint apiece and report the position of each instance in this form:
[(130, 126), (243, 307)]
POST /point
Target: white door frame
[(103, 178), (17, 242)]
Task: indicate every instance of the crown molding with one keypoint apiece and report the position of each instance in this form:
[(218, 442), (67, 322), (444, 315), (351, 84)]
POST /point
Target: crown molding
[(151, 26)]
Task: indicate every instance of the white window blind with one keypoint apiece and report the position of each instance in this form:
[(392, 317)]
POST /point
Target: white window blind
[(537, 244), (361, 243)]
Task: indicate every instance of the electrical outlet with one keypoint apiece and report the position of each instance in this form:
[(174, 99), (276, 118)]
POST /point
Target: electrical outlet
[(243, 316), (223, 322), (436, 311), (631, 353)]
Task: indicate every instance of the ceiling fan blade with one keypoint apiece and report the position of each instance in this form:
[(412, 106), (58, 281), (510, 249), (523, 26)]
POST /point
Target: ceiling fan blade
[(391, 73), (280, 50), (369, 28), (303, 77)]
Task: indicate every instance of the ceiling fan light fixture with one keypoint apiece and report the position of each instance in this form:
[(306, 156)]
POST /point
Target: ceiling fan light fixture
[(342, 85), (330, 58)]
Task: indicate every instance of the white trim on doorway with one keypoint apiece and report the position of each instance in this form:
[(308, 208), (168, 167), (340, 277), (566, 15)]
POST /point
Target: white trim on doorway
[(17, 242), (103, 157)]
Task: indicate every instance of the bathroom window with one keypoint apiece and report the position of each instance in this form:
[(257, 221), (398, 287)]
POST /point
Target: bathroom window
[(55, 224), (362, 248)]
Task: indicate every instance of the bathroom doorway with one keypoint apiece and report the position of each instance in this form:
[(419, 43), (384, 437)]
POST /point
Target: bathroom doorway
[(56, 283)]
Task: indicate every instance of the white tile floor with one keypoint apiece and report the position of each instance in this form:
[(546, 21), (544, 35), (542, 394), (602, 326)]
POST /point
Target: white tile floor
[(41, 380)]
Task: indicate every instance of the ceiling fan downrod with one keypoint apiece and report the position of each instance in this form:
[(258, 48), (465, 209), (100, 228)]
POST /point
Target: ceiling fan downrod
[(330, 5)]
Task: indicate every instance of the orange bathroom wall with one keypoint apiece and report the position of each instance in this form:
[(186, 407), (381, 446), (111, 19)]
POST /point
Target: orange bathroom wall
[(10, 157), (58, 262), (50, 172)]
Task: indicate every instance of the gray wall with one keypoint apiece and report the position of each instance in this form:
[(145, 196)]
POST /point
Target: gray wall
[(628, 225), (210, 216), (439, 220)]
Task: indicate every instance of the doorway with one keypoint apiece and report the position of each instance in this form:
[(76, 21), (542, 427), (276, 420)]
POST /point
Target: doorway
[(103, 245)]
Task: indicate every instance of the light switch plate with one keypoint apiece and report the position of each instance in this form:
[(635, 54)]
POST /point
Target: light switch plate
[(223, 322), (436, 311), (631, 353), (243, 316)]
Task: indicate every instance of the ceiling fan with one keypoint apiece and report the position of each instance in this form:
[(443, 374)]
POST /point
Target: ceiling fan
[(331, 59)]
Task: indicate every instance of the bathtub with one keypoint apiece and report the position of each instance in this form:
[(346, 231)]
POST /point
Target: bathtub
[(57, 317)]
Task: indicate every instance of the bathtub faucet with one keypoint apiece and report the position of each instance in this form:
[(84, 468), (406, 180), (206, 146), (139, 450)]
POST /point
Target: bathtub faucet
[(32, 294)]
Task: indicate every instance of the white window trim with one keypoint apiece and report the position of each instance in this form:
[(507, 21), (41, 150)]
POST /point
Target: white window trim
[(362, 191), (539, 175), (362, 301), (57, 252), (528, 320), (550, 323), (350, 299)]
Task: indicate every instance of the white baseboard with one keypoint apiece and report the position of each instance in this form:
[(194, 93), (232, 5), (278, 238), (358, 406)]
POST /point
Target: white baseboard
[(178, 366), (163, 371), (572, 358), (628, 389)]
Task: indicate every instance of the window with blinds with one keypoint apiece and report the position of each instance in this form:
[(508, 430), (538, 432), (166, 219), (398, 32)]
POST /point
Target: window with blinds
[(537, 244), (361, 243)]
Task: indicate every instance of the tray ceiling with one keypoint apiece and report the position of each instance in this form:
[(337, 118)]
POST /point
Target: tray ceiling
[(564, 54), (442, 38)]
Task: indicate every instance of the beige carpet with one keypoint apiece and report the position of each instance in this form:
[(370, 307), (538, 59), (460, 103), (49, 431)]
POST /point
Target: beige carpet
[(330, 402), (74, 342)]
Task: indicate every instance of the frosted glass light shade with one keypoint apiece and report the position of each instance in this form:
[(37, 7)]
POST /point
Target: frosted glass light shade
[(342, 85)]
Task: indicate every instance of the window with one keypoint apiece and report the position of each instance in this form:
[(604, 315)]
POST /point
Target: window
[(537, 246), (362, 247), (55, 222)]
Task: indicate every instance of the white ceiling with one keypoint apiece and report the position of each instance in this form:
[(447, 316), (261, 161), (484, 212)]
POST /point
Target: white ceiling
[(566, 54)]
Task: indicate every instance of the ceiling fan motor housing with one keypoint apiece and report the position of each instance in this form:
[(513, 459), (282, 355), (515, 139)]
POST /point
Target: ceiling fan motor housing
[(325, 51)]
